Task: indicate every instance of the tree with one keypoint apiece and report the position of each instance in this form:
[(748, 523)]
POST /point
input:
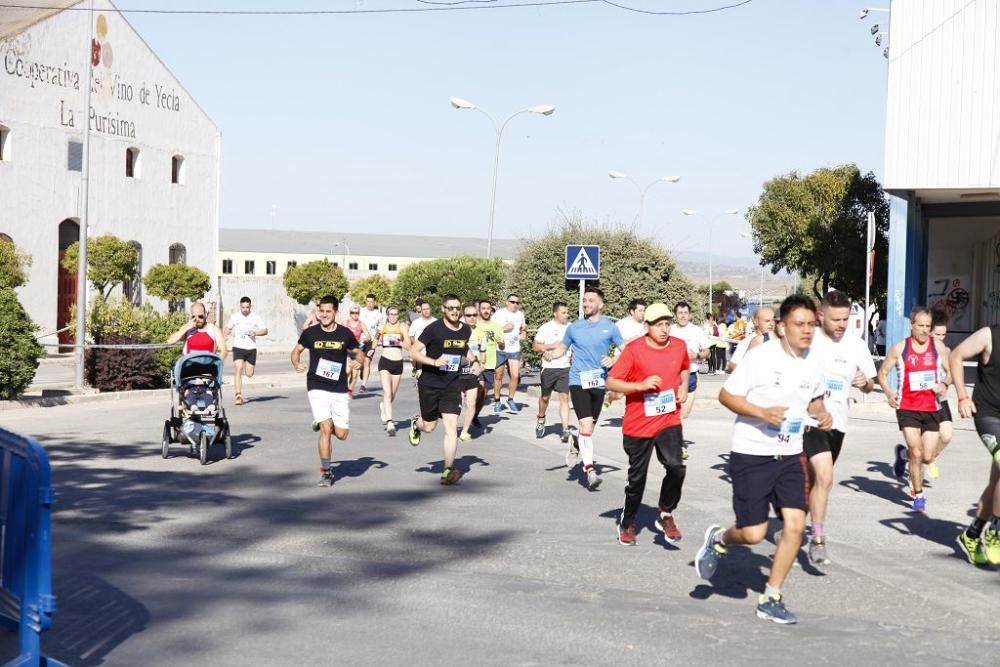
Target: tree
[(816, 225), (176, 282), (310, 282), (21, 351), (724, 299), (375, 284), (471, 278), (13, 265), (110, 262)]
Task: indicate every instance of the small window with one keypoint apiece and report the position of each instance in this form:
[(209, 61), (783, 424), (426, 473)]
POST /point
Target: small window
[(353, 266), (271, 267), (4, 144), (392, 267), (177, 170), (74, 156), (248, 267), (227, 266), (336, 263), (373, 267), (131, 162), (178, 254), (292, 264)]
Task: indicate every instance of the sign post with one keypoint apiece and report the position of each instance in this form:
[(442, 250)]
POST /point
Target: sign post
[(583, 263), (869, 270)]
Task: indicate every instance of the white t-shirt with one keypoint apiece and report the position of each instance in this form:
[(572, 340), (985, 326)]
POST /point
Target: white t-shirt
[(743, 347), (771, 377), (511, 339), (372, 319), (553, 332), (242, 326), (839, 361), (418, 325), (630, 329), (695, 339)]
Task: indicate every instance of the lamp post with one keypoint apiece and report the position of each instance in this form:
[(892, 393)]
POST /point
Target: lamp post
[(465, 105), (642, 191), (689, 211), (760, 302), (347, 251)]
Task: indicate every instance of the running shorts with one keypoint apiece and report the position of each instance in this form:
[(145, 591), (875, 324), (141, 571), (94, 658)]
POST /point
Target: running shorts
[(555, 379), (587, 403), (469, 381), (816, 441), (988, 429), (435, 402), (925, 421), (504, 357), (762, 482), (246, 356), (394, 367), (330, 405)]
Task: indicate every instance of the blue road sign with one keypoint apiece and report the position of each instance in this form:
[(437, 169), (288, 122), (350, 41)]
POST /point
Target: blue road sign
[(583, 262)]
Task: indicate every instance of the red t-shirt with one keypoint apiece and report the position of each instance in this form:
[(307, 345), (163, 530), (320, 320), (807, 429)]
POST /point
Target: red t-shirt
[(646, 414)]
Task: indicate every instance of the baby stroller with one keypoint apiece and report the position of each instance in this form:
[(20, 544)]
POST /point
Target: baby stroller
[(197, 417)]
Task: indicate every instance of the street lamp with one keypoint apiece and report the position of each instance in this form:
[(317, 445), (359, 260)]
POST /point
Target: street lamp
[(863, 14), (465, 105), (747, 235), (689, 211), (347, 251), (642, 191)]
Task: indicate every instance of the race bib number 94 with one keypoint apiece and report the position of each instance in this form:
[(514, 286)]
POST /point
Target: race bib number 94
[(661, 403), (788, 429), (592, 379)]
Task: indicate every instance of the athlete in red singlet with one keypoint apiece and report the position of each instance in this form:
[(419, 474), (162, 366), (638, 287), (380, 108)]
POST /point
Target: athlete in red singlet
[(200, 335)]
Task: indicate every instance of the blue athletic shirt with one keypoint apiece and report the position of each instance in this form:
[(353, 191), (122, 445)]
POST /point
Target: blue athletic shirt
[(591, 342)]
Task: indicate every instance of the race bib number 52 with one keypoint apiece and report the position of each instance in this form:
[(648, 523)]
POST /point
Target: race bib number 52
[(659, 403)]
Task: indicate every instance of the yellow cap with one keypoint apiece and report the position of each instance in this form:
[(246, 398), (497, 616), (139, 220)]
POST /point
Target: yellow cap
[(657, 311)]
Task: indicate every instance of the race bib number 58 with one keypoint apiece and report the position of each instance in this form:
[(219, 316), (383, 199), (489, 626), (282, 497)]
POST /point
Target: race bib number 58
[(923, 380)]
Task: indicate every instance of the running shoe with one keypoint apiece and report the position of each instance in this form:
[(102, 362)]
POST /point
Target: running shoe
[(773, 609), (540, 429), (899, 462), (593, 479), (817, 551), (626, 535), (707, 560), (450, 476), (497, 407), (414, 432), (390, 428), (512, 407), (572, 452), (465, 437), (362, 388), (933, 471), (326, 479), (684, 453), (920, 503), (991, 546), (972, 548), (315, 426), (665, 522), (564, 438)]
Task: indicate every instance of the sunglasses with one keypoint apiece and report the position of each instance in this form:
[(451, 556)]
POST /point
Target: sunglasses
[(198, 317), (513, 302), (452, 308), (469, 314), (355, 312)]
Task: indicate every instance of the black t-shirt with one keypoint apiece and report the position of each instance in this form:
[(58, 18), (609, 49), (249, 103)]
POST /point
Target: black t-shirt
[(986, 395), (328, 355), (439, 339)]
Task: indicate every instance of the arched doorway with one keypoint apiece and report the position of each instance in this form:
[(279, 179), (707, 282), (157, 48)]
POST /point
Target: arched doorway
[(69, 233)]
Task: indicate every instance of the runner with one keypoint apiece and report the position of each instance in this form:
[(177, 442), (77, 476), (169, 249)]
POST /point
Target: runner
[(631, 327), (763, 320), (442, 350), (981, 540), (698, 350), (417, 327), (711, 328), (939, 330), (771, 392), (652, 373), (244, 326), (845, 363), (514, 331), (555, 368), (357, 327), (590, 340), (489, 338), (392, 336), (918, 363), (372, 316), (473, 391), (329, 347), (200, 335), (719, 346)]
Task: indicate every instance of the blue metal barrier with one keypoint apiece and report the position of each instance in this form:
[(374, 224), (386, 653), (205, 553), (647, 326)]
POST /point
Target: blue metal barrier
[(26, 600)]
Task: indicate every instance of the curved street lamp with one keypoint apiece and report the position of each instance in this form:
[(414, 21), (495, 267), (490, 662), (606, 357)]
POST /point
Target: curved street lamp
[(615, 175), (692, 212)]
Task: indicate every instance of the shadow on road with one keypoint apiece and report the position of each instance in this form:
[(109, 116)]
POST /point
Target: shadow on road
[(357, 467), (265, 399), (740, 572), (463, 463), (880, 488), (918, 524), (723, 468)]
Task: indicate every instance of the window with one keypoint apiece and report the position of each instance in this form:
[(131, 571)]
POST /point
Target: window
[(7, 238), (4, 144), (132, 162), (392, 267), (177, 170), (227, 266), (336, 264), (133, 288), (178, 254), (74, 156), (292, 264), (373, 267), (353, 266), (248, 267), (271, 267)]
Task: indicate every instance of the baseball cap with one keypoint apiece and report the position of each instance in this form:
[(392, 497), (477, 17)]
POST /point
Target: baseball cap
[(658, 311)]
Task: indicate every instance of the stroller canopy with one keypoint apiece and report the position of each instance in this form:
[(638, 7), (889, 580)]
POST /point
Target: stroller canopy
[(199, 364)]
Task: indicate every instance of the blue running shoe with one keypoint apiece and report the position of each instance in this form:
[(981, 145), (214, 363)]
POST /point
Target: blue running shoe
[(899, 462), (920, 503), (540, 429), (512, 407), (497, 407), (707, 560), (773, 609)]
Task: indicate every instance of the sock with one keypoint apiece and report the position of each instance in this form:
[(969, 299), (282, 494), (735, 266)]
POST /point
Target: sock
[(917, 493), (324, 464), (772, 592), (817, 530), (587, 450), (975, 529), (541, 420), (720, 537)]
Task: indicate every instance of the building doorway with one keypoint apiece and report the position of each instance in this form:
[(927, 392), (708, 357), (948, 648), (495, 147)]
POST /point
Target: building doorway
[(69, 233)]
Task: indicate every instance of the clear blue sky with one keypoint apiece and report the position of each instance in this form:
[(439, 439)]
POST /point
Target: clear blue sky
[(343, 122)]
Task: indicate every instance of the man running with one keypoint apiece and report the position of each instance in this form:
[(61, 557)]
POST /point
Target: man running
[(392, 335), (590, 340), (354, 324), (330, 348), (763, 320), (555, 368), (417, 327), (939, 330), (200, 335), (981, 540), (490, 340), (441, 350), (652, 372), (918, 362), (698, 349), (772, 392), (514, 331), (244, 327), (473, 391), (372, 316), (631, 327), (845, 362)]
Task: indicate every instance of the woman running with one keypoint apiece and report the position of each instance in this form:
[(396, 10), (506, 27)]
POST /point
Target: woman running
[(393, 335)]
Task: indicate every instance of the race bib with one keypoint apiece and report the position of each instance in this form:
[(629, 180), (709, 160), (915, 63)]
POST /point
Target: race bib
[(835, 389), (788, 429), (453, 362), (592, 379), (512, 340), (923, 380), (329, 370), (659, 403), (392, 340)]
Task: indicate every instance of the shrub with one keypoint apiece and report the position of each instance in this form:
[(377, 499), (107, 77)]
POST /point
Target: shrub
[(176, 282), (308, 283), (21, 351), (471, 278), (13, 265), (110, 262), (121, 370), (376, 284), (156, 328)]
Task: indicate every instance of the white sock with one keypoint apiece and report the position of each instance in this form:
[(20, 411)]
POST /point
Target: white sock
[(587, 450)]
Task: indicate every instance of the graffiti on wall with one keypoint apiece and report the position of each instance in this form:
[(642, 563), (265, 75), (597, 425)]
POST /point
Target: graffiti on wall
[(950, 295)]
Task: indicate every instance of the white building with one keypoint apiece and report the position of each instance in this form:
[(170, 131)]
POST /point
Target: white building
[(154, 153)]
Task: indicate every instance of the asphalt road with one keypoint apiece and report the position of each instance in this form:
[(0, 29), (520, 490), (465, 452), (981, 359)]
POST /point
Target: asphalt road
[(246, 562)]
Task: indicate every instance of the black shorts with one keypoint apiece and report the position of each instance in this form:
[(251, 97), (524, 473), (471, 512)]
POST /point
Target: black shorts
[(392, 366), (246, 356), (435, 402), (587, 403), (555, 379), (925, 421), (368, 349), (944, 414), (489, 378), (762, 482), (468, 381), (816, 441)]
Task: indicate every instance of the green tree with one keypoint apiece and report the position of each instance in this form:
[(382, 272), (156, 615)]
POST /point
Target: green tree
[(21, 351), (13, 265), (816, 225), (176, 282), (722, 302), (309, 282), (470, 278), (375, 284), (110, 262)]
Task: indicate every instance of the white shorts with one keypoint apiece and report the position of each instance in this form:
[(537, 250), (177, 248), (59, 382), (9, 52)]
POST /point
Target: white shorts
[(330, 405)]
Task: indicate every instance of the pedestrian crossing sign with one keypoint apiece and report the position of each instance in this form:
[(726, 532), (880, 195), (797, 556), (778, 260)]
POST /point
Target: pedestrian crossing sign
[(583, 262)]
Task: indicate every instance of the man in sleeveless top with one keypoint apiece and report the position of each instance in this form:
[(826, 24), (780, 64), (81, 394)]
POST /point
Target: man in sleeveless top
[(918, 363), (200, 335), (981, 540)]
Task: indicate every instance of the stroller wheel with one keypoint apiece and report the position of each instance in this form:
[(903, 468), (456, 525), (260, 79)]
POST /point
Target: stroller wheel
[(165, 450), (203, 448), (229, 443)]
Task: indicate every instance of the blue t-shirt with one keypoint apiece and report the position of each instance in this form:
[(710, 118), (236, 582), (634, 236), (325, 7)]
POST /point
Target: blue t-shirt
[(591, 342)]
